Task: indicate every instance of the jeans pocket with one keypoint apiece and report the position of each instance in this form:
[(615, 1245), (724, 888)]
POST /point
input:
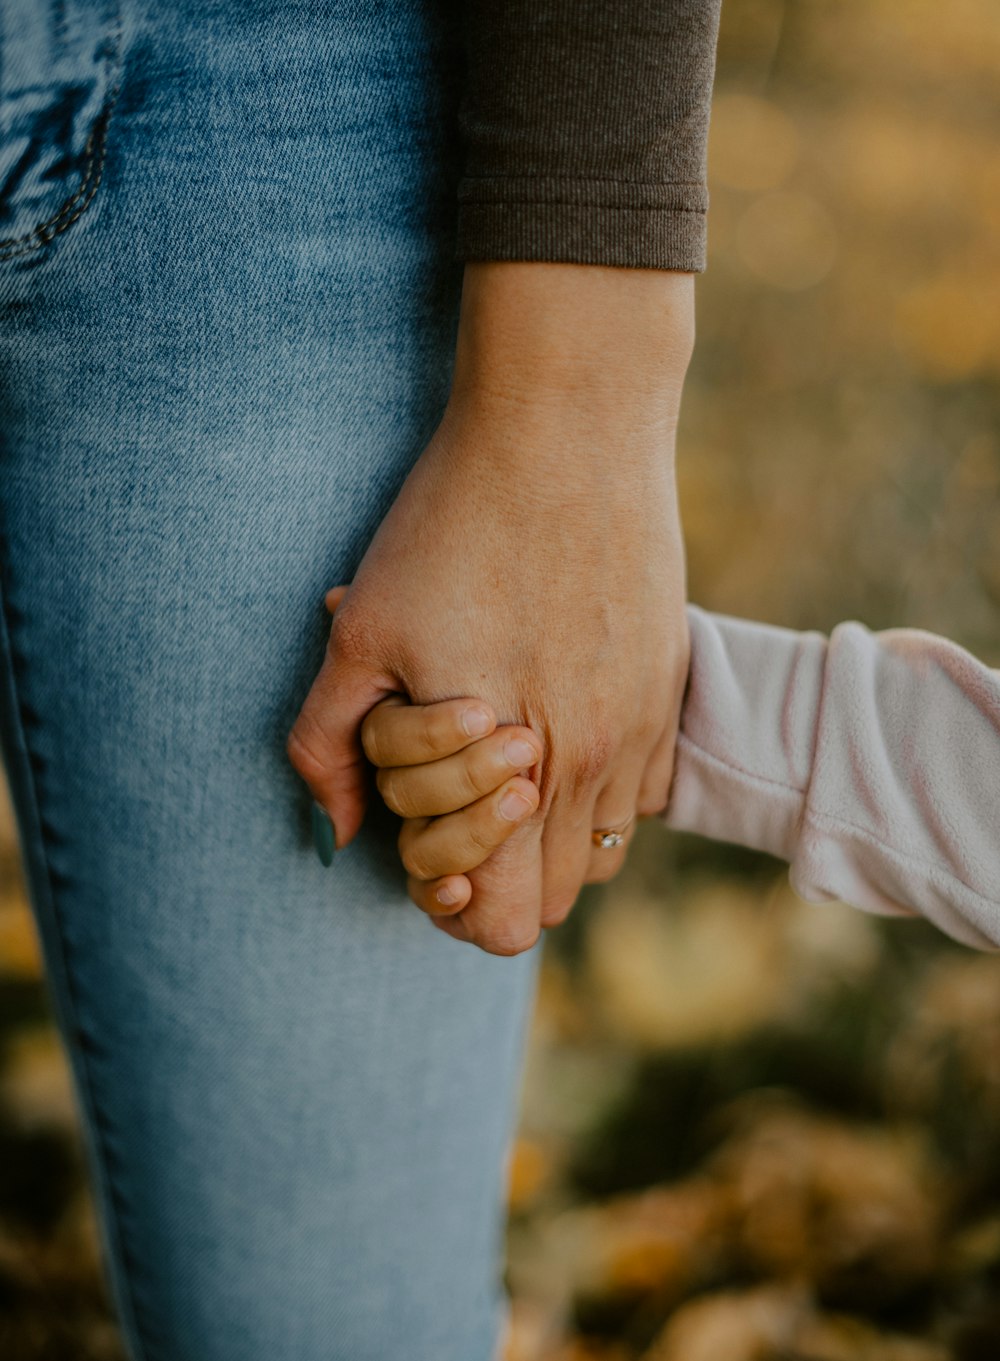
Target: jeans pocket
[(60, 66)]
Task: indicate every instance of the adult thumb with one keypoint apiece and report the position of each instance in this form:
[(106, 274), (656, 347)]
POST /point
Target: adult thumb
[(324, 744)]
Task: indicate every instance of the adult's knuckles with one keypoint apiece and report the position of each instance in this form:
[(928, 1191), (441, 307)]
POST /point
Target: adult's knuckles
[(590, 760), (357, 637), (557, 907), (501, 940), (594, 754), (349, 633), (604, 872), (556, 917)]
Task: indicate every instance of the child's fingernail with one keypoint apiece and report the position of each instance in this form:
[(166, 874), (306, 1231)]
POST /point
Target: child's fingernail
[(446, 895), (476, 722), (514, 805), (323, 834), (520, 752)]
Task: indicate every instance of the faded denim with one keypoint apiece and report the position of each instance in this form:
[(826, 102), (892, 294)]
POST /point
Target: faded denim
[(228, 303)]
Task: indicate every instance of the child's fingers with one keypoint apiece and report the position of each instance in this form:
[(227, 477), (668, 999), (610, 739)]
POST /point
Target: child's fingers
[(431, 847), (408, 734), (424, 893), (449, 784)]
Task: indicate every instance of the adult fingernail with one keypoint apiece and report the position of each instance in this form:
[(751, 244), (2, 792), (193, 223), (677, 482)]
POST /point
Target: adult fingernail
[(520, 752), (446, 895), (514, 805), (323, 834), (476, 722)]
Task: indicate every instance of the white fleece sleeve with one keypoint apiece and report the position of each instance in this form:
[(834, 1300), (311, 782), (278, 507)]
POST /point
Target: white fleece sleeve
[(869, 761)]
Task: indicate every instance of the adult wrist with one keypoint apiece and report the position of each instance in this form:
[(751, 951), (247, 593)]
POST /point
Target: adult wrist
[(609, 337)]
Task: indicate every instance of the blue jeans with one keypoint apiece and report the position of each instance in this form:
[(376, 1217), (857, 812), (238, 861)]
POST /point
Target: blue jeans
[(227, 311)]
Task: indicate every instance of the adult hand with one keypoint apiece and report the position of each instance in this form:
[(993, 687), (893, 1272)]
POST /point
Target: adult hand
[(533, 557)]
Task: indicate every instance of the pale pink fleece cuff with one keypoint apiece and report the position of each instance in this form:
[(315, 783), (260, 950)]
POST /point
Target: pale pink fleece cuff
[(869, 761)]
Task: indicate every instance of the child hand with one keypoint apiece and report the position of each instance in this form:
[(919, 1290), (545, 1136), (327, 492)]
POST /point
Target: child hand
[(460, 794)]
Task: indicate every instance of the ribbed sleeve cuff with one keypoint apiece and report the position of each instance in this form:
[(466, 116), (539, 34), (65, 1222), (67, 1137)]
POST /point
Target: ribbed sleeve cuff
[(589, 222)]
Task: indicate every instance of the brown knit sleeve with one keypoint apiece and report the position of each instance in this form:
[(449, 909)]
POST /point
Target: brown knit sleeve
[(584, 128)]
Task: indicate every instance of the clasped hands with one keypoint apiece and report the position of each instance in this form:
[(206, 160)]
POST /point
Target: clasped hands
[(532, 562), (462, 785)]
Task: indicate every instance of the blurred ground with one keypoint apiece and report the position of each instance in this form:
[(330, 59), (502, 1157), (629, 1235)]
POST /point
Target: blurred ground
[(751, 1129)]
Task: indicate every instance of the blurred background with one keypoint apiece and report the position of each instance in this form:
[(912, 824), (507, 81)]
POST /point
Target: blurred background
[(751, 1129)]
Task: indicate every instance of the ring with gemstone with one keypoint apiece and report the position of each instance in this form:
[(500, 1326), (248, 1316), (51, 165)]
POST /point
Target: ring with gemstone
[(607, 837)]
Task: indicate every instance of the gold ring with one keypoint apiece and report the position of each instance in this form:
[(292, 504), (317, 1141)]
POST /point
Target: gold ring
[(607, 837)]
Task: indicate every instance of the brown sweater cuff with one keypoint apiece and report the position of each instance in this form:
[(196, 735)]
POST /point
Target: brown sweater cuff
[(584, 128), (589, 222)]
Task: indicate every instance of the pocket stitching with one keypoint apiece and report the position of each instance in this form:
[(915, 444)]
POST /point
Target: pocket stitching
[(93, 168)]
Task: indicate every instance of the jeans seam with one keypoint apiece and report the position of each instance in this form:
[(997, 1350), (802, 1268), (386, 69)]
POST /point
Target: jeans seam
[(94, 150), (64, 999)]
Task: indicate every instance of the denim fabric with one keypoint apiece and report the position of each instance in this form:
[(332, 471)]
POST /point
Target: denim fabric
[(227, 308)]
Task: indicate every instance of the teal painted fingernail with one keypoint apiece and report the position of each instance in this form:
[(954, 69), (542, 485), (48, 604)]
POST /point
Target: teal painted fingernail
[(323, 835)]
